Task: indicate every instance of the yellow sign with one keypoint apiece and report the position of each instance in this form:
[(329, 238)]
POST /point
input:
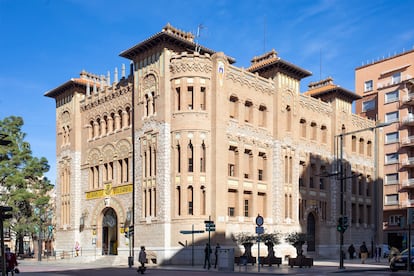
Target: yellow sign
[(109, 191)]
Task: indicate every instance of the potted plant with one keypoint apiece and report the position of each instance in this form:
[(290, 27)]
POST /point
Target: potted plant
[(270, 240), (296, 239), (247, 240)]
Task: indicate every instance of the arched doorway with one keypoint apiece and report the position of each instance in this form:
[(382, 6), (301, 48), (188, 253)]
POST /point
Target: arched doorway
[(109, 232), (311, 232)]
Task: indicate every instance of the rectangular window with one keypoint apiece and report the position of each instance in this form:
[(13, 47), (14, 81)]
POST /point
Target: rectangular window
[(203, 98), (190, 99), (394, 220), (391, 199), (231, 211), (368, 105), (231, 170), (396, 78), (368, 86), (391, 138), (391, 158), (391, 117), (391, 178), (260, 174), (391, 96), (246, 207)]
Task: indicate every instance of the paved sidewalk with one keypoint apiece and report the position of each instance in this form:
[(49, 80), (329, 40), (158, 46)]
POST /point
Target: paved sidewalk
[(320, 265)]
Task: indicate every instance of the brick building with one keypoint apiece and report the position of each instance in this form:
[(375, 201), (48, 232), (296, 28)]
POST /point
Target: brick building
[(387, 90), (207, 139)]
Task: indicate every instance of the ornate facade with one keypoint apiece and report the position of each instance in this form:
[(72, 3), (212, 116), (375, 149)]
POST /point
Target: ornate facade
[(187, 136)]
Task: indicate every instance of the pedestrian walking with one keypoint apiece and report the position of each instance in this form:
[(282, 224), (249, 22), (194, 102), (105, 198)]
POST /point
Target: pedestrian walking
[(142, 258), (351, 251), (11, 262), (216, 255), (364, 252), (207, 253)]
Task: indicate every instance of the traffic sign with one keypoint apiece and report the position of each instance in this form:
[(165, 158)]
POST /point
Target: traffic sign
[(185, 232), (259, 230), (259, 220)]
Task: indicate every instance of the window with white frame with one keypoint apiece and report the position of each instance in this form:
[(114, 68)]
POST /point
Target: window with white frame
[(392, 137), (394, 219), (391, 178), (391, 117), (391, 158), (368, 105), (391, 96), (396, 78), (368, 86), (391, 199)]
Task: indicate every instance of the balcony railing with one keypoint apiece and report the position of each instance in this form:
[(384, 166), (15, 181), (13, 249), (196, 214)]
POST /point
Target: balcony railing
[(408, 99), (409, 162), (408, 203), (408, 120), (390, 82), (407, 184), (407, 141)]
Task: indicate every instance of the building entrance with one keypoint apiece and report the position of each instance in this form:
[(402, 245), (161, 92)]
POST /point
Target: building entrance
[(109, 232), (311, 232)]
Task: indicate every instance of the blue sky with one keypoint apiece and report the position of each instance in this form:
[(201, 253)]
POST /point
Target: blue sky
[(44, 43)]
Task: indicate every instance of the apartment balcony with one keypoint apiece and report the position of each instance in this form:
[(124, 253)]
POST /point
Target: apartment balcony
[(390, 82), (408, 99), (407, 184), (409, 162), (408, 120), (408, 203), (407, 141)]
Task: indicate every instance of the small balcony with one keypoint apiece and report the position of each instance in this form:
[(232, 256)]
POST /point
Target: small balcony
[(408, 99), (409, 162), (407, 141), (408, 120), (407, 184), (408, 203)]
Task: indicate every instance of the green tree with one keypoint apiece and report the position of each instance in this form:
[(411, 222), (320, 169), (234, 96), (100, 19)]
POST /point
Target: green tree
[(23, 185)]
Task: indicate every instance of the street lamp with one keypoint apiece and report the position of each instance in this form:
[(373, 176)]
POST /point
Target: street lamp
[(342, 222)]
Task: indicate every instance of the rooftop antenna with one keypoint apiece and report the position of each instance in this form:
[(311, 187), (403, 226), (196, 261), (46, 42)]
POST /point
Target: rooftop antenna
[(320, 64), (264, 35), (199, 27)]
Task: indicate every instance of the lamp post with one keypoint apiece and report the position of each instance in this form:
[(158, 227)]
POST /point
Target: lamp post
[(342, 175)]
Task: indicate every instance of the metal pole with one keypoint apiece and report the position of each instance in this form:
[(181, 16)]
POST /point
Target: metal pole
[(258, 253), (341, 233), (192, 246), (409, 245), (3, 256)]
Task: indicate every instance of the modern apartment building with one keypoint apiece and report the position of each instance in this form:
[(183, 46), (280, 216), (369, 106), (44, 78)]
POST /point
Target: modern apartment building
[(186, 136), (387, 90)]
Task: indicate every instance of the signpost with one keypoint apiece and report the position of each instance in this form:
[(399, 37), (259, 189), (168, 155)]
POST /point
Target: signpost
[(192, 232), (259, 231)]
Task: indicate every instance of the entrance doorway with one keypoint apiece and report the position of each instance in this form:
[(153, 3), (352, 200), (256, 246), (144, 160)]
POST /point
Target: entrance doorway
[(109, 232), (311, 233)]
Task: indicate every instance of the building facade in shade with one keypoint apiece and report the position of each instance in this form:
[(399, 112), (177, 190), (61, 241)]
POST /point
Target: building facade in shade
[(387, 90), (186, 136)]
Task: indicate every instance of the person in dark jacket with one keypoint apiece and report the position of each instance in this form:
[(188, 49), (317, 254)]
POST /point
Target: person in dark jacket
[(351, 251)]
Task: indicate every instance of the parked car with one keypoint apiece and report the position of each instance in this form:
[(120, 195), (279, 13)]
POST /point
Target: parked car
[(399, 261), (385, 250)]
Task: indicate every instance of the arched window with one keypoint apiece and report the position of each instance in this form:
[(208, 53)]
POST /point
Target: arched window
[(203, 158), (190, 155), (234, 107)]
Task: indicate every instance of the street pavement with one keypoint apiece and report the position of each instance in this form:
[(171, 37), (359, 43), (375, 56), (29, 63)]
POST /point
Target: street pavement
[(102, 267)]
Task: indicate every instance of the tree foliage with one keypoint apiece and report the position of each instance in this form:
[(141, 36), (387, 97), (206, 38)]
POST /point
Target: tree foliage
[(296, 238), (23, 185), (271, 238), (244, 237)]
